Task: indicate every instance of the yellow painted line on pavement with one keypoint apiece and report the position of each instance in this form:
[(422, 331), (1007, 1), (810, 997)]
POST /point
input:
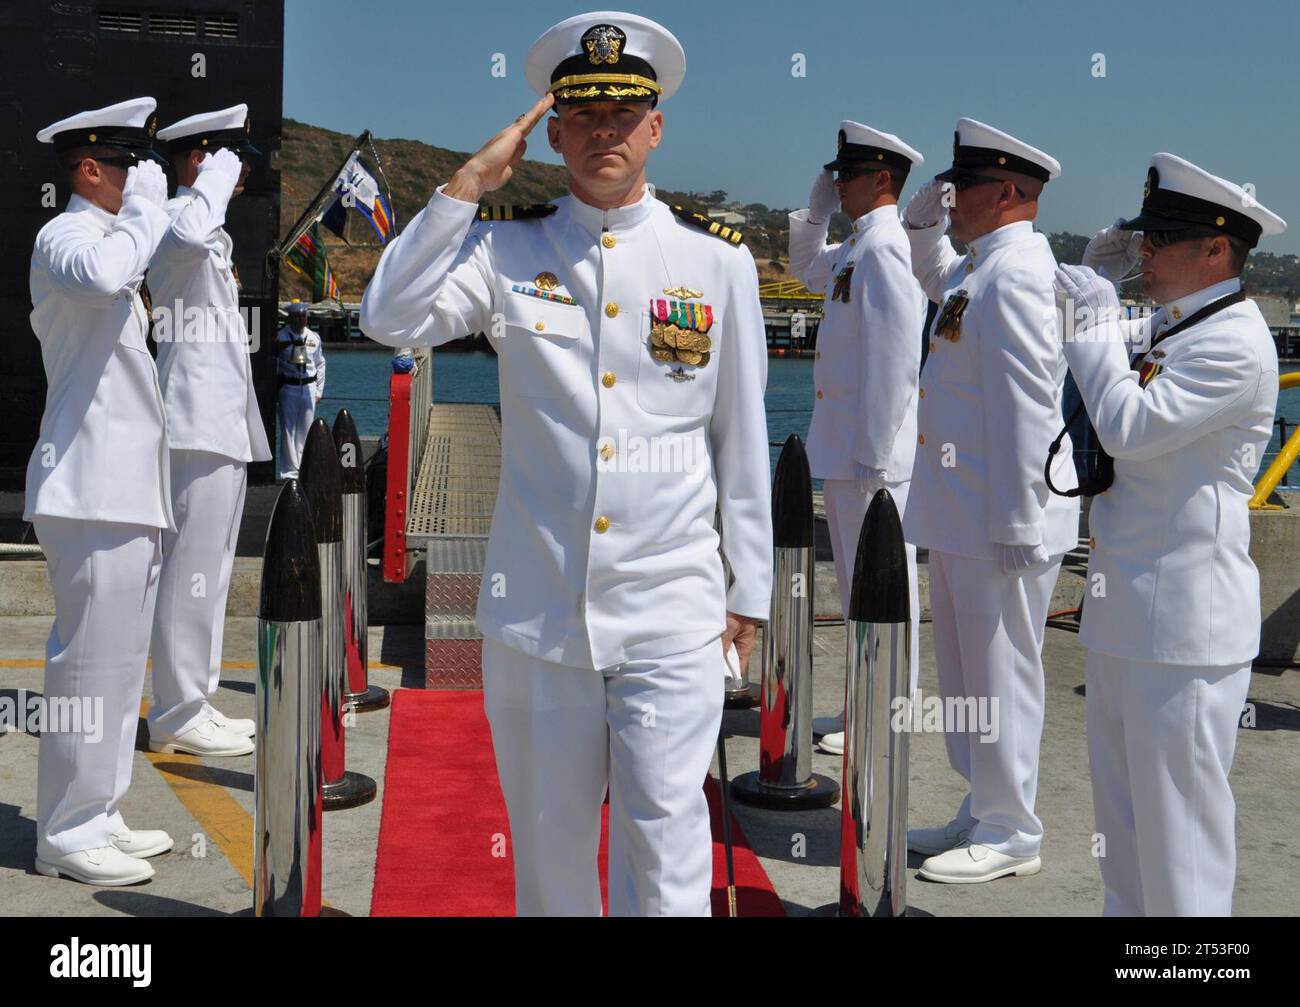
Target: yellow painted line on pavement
[(221, 818)]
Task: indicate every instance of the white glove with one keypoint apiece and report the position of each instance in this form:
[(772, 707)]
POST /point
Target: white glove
[(1091, 301), (926, 208), (822, 201), (870, 481), (731, 667), (146, 179), (1019, 559), (1113, 253), (224, 165)]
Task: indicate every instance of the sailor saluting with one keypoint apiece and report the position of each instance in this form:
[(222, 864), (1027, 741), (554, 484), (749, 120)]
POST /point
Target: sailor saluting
[(1172, 624), (603, 604), (97, 482)]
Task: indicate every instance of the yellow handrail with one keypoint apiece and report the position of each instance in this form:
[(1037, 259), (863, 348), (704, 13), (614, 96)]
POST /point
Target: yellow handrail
[(1269, 481)]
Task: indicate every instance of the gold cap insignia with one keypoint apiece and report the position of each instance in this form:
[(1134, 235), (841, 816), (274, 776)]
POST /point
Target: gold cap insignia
[(603, 43)]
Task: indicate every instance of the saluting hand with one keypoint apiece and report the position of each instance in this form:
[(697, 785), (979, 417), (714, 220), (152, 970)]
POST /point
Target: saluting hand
[(224, 164), (492, 165), (147, 180)]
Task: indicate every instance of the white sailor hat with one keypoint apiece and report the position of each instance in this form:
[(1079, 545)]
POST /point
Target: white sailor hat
[(606, 56), (860, 146), (129, 125), (1180, 196), (976, 146), (227, 127)]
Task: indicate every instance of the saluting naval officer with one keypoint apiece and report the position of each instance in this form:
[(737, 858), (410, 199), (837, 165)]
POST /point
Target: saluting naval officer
[(863, 432), (1173, 620), (633, 363), (214, 429), (990, 403), (97, 485), (300, 365)]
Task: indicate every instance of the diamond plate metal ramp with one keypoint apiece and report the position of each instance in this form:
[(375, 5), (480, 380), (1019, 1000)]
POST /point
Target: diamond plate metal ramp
[(450, 515)]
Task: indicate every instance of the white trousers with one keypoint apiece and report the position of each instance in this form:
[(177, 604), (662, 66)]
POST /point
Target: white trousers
[(647, 730), (105, 577), (846, 507), (189, 624), (297, 412), (988, 648), (1160, 743)]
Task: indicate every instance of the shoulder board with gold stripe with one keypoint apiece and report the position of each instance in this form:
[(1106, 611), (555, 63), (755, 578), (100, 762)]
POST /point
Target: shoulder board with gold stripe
[(516, 211), (713, 227)]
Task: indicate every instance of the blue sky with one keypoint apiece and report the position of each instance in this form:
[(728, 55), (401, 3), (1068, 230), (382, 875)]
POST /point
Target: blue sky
[(1214, 82)]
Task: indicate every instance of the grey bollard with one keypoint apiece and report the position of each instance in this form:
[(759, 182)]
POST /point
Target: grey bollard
[(287, 784), (785, 779), (360, 693), (324, 491)]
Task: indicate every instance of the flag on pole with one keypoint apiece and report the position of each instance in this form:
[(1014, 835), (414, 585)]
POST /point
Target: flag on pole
[(308, 258), (357, 189)]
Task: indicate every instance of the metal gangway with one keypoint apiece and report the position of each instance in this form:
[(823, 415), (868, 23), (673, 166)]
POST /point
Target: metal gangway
[(444, 462)]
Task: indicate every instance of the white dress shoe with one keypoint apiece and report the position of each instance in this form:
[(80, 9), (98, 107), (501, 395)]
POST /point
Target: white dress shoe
[(107, 866), (832, 744), (940, 840), (204, 739), (971, 863), (239, 726), (829, 725), (141, 843)]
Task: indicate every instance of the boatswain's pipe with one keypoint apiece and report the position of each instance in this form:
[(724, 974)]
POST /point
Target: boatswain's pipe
[(873, 819), (287, 784), (785, 778), (360, 693), (323, 484)]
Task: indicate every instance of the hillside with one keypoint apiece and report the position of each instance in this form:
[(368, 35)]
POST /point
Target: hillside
[(309, 155)]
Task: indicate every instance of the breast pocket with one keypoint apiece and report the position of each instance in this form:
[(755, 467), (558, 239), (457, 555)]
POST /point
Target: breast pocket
[(130, 314), (670, 383), (542, 347)]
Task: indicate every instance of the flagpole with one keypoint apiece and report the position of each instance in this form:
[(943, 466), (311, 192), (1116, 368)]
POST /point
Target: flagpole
[(308, 217)]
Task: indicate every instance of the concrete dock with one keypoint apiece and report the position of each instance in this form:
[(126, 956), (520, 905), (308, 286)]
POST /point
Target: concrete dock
[(207, 804)]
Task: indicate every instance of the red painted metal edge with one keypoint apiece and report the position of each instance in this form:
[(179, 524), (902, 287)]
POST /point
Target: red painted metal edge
[(399, 466)]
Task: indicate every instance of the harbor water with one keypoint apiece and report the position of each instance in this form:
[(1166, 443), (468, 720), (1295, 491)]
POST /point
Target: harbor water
[(358, 379)]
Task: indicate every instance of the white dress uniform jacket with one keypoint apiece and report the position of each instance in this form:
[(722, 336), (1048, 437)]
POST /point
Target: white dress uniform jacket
[(865, 410), (596, 561), (991, 401), (204, 368), (102, 450), (1171, 536), (313, 370)]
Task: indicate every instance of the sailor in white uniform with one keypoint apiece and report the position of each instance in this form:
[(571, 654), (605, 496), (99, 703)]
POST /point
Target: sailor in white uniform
[(863, 432), (633, 363), (300, 364), (990, 402), (97, 487), (214, 428), (1172, 617)]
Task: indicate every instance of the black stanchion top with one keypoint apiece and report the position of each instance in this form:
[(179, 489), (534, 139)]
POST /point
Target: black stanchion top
[(880, 587), (323, 483), (792, 504), (351, 459), (290, 566)]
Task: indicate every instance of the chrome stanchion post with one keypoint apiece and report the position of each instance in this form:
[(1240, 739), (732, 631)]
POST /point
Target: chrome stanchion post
[(287, 784), (324, 490), (360, 693), (873, 822), (785, 779)]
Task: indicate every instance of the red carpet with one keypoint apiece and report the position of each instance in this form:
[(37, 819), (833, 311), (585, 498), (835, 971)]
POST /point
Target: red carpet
[(443, 806)]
